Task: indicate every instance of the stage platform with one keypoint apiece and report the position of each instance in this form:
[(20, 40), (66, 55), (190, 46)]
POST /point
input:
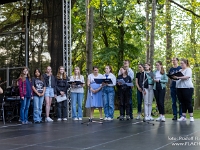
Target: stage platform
[(113, 135)]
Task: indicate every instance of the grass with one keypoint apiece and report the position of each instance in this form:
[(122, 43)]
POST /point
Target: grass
[(116, 114)]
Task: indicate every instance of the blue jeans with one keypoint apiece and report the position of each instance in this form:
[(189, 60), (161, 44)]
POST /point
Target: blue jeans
[(77, 98), (37, 108), (139, 101), (108, 100), (24, 109), (174, 100), (131, 103)]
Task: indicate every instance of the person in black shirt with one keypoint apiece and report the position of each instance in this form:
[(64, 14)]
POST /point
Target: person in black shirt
[(139, 90), (61, 89), (124, 94), (39, 87)]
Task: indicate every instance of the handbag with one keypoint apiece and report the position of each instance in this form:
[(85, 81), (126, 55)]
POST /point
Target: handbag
[(60, 98)]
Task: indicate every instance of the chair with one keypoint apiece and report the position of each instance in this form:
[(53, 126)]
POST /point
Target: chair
[(2, 107)]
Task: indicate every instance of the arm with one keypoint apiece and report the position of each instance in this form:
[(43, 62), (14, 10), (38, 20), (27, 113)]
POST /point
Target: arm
[(1, 90), (137, 84), (131, 74), (165, 79)]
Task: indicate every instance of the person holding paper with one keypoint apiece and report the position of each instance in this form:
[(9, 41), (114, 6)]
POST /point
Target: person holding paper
[(61, 90), (77, 92), (131, 74), (50, 90), (160, 81), (185, 89), (109, 94), (173, 92), (39, 87), (124, 93), (94, 96), (146, 84), (139, 90)]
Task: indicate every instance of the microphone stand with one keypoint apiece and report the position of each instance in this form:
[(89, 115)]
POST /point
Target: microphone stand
[(90, 120)]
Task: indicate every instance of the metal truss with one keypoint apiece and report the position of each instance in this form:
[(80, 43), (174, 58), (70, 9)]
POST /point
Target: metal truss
[(67, 48)]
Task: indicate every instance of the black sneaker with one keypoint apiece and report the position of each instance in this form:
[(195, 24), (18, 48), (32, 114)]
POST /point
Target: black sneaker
[(36, 122), (127, 117), (174, 118), (121, 117)]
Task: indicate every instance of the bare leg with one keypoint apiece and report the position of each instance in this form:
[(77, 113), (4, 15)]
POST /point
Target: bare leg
[(92, 112), (100, 112), (48, 105)]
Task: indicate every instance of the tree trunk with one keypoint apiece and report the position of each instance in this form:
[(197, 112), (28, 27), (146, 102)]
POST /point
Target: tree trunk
[(89, 42), (53, 9), (196, 69), (168, 43), (147, 31), (152, 36)]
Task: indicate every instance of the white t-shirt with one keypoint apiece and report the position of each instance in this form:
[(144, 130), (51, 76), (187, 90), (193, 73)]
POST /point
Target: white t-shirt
[(158, 75), (78, 89), (91, 77), (185, 83), (112, 77)]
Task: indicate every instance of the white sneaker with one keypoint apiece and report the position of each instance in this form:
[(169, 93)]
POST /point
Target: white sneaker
[(183, 118), (64, 119), (147, 118), (75, 119), (138, 117), (79, 118), (191, 119), (151, 118), (159, 118), (110, 119), (59, 119), (48, 119), (163, 119), (105, 118)]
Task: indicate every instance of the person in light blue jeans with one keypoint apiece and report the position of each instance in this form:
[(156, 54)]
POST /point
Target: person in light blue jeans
[(77, 94), (109, 94), (38, 86)]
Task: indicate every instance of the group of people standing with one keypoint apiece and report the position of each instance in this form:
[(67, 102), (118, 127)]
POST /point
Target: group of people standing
[(45, 87), (152, 84)]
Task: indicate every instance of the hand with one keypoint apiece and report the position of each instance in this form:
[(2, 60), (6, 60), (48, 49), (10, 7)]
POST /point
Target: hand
[(119, 83), (144, 92), (140, 89), (62, 93), (55, 96), (22, 98), (175, 77), (156, 80)]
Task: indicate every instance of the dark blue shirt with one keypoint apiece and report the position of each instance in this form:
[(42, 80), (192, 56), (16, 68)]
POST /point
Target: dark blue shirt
[(28, 88), (172, 71)]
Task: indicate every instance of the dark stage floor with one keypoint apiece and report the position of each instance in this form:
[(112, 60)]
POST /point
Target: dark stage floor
[(114, 135)]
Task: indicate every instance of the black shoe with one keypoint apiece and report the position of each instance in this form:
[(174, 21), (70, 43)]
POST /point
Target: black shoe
[(118, 117), (121, 117), (36, 122), (174, 118), (90, 119), (127, 117), (131, 117)]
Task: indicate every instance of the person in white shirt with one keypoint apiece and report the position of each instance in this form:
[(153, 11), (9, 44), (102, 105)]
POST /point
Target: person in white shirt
[(94, 96), (109, 94), (131, 74), (185, 90), (77, 93)]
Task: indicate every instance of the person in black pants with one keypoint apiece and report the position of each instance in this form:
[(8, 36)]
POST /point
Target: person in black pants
[(160, 80), (61, 89), (124, 94), (185, 89)]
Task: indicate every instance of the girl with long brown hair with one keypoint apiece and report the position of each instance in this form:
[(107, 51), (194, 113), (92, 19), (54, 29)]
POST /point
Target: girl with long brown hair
[(160, 81), (25, 90), (61, 89)]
